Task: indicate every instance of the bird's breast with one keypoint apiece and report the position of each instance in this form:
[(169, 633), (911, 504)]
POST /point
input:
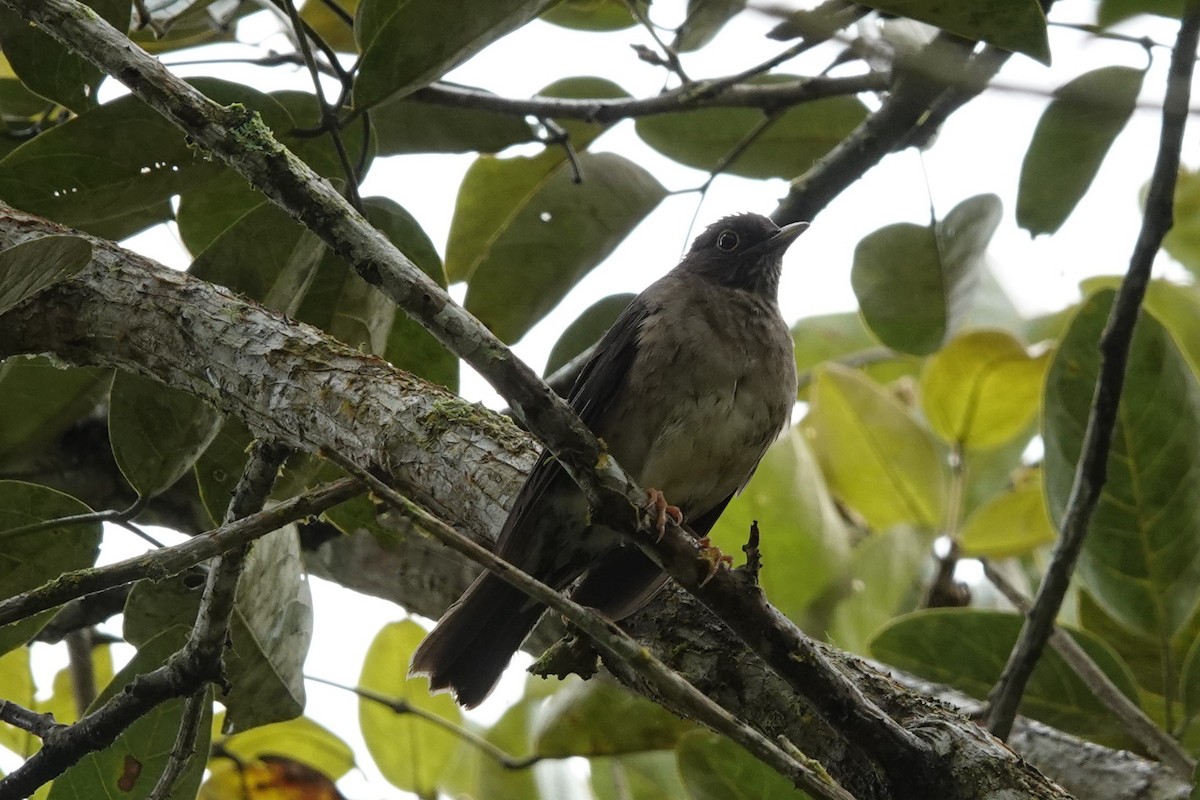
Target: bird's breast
[(710, 389)]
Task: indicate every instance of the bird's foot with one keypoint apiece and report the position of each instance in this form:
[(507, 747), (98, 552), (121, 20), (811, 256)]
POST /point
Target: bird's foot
[(656, 503), (712, 557)]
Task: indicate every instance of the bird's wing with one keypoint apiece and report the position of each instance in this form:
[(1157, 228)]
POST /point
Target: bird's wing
[(599, 384)]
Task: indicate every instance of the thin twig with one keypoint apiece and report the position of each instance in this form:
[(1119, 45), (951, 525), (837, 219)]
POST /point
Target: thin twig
[(184, 748), (329, 114), (112, 515), (610, 640), (1092, 469), (170, 561), (672, 58), (1157, 742), (402, 706)]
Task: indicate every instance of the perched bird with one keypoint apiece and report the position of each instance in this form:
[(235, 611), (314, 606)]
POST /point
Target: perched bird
[(688, 388)]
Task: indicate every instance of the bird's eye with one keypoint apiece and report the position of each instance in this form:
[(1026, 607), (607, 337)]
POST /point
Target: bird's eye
[(727, 241)]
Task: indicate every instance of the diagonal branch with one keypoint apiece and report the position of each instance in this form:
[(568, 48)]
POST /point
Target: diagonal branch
[(1092, 470)]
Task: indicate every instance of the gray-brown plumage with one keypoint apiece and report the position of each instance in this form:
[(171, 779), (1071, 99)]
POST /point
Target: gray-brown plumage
[(688, 388)]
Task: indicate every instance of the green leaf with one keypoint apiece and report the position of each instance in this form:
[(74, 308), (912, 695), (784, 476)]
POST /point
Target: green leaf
[(300, 739), (592, 15), (30, 267), (600, 718), (198, 22), (157, 432), (169, 604), (981, 389), (16, 676), (916, 284), (582, 87), (265, 255), (798, 522), (1071, 140), (637, 776), (406, 45), (968, 648), (1190, 681), (704, 20), (330, 26), (1140, 650), (876, 458), (1017, 25), (130, 766), (1177, 307), (403, 125), (1011, 524), (111, 170), (30, 559), (586, 330), (1113, 11), (271, 632), (785, 148), (885, 569), (714, 768), (411, 753), (49, 68), (1183, 239), (478, 216), (408, 345), (1139, 559), (843, 336), (220, 466), (556, 232), (39, 400), (480, 776), (210, 209), (62, 702)]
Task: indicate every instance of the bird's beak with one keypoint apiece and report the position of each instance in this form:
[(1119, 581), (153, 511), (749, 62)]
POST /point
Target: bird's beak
[(786, 235)]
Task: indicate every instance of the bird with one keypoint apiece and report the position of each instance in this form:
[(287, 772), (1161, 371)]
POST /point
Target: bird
[(687, 389)]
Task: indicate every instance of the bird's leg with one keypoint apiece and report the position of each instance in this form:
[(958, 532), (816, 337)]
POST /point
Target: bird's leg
[(662, 509), (713, 557)]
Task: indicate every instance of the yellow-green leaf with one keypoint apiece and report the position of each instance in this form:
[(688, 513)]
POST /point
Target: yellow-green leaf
[(981, 389), (798, 522), (299, 739), (1011, 524), (876, 457), (410, 752)]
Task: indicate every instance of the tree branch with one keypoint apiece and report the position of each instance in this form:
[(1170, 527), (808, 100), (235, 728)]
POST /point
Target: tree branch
[(290, 383), (160, 564), (1092, 470)]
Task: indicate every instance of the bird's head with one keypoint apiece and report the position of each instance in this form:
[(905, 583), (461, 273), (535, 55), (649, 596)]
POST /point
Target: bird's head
[(743, 251)]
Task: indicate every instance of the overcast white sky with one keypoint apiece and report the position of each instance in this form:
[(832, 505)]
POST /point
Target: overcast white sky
[(979, 150)]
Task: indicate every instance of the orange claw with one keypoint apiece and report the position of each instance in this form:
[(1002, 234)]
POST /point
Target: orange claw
[(714, 558), (658, 504)]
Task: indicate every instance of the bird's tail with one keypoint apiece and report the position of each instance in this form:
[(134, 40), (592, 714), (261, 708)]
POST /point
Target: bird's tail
[(475, 639)]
